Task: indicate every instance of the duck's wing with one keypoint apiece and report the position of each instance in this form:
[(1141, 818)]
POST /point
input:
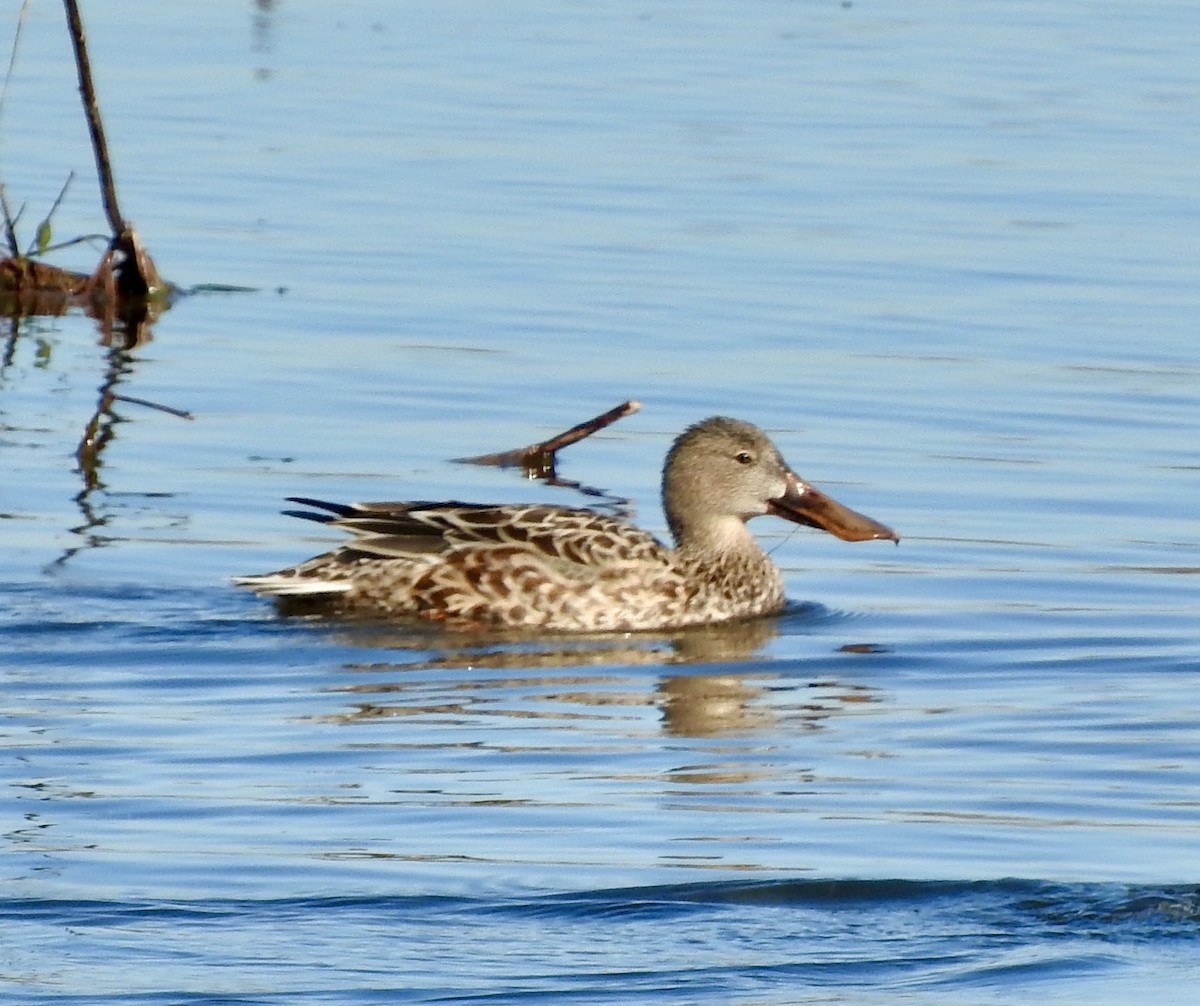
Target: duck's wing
[(561, 535)]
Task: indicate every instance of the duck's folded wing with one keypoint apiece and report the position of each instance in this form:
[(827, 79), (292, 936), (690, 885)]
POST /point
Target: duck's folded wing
[(562, 534)]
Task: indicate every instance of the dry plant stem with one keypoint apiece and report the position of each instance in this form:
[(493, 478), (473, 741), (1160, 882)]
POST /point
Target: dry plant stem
[(540, 456), (10, 225), (135, 272), (577, 433), (108, 188)]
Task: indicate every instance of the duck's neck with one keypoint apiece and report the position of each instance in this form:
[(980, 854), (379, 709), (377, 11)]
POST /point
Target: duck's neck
[(731, 575), (716, 538)]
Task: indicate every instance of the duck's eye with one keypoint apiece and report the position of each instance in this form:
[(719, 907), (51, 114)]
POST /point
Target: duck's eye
[(744, 457)]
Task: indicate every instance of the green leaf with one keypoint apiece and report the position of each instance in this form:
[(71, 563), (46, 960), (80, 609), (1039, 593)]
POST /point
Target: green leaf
[(43, 236)]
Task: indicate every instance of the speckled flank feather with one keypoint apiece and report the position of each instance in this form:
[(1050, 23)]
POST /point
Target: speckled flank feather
[(561, 568)]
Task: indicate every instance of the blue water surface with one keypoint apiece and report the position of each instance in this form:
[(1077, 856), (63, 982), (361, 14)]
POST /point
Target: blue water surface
[(945, 253)]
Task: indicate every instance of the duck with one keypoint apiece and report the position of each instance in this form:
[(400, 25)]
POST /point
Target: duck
[(549, 568)]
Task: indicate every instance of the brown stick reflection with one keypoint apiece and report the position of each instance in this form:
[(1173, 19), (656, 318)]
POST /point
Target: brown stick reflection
[(124, 294), (98, 433), (99, 430)]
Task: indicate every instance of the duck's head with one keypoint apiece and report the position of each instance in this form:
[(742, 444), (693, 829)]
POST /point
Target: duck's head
[(723, 469)]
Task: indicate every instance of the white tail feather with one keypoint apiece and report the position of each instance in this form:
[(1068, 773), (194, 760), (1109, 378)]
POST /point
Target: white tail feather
[(290, 586)]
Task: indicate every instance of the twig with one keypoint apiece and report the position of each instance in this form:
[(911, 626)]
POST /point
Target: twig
[(127, 261), (12, 59), (539, 458), (577, 433), (108, 188), (10, 224), (41, 240), (82, 239)]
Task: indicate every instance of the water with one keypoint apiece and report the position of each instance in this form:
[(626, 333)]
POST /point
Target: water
[(945, 254)]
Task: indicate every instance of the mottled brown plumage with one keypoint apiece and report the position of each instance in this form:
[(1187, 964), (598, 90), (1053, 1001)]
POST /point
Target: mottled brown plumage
[(568, 569)]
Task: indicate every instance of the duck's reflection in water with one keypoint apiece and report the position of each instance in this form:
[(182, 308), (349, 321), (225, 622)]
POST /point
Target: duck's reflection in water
[(747, 697), (742, 705)]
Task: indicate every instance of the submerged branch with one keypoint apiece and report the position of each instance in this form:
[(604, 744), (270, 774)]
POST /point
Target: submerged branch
[(538, 459)]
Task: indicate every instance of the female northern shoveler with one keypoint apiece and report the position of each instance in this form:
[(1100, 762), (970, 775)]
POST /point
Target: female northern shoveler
[(530, 566)]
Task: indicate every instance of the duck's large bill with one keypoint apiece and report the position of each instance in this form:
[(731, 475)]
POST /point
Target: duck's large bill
[(805, 504)]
